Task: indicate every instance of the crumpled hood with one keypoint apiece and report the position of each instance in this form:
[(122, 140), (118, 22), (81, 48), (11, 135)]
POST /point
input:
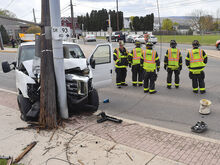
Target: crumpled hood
[(73, 63), (68, 64)]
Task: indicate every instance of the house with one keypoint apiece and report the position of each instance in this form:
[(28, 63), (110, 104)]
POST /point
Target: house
[(66, 21)]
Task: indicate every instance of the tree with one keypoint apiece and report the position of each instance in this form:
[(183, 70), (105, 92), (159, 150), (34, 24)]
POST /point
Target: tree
[(4, 33), (196, 20), (34, 30), (167, 24), (206, 23), (7, 13), (136, 23)]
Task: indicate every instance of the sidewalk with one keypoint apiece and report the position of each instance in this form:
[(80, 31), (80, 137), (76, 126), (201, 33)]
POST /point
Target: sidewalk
[(85, 142), (9, 50)]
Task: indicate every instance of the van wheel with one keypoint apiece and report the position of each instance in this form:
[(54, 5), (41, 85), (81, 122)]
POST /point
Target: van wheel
[(24, 105), (93, 100)]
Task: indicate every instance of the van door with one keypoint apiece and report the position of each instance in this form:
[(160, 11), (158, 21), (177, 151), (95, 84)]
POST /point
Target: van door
[(101, 65)]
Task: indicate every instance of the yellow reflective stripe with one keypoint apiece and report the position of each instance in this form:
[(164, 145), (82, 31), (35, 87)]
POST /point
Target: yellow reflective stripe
[(140, 82), (169, 84), (177, 84), (152, 90), (202, 89), (134, 82), (146, 89), (123, 66), (195, 89), (117, 60), (123, 56), (205, 56), (118, 83)]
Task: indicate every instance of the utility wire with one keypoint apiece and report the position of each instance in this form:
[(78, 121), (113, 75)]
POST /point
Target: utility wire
[(9, 4)]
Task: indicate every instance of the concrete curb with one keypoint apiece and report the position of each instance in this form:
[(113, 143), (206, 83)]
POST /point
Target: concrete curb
[(8, 51)]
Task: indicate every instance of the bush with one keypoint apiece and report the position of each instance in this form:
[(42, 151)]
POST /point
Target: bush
[(33, 30)]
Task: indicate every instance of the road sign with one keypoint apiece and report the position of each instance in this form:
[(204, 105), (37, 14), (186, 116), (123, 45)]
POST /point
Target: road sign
[(61, 33)]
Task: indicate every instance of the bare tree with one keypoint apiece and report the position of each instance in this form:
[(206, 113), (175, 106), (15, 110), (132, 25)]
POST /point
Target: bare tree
[(196, 19)]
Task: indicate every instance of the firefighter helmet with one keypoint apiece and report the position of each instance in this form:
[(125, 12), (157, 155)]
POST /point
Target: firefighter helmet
[(173, 43), (149, 44)]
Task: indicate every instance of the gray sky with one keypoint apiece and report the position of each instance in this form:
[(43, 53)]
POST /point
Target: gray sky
[(23, 8)]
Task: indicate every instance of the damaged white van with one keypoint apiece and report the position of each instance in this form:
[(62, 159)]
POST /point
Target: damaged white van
[(82, 75)]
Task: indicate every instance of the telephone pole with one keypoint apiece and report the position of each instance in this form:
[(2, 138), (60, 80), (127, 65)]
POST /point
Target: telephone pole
[(48, 102), (34, 16), (117, 16), (72, 18)]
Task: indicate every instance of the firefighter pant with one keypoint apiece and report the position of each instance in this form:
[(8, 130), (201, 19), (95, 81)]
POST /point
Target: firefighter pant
[(121, 74), (197, 81), (137, 74), (149, 77), (169, 77)]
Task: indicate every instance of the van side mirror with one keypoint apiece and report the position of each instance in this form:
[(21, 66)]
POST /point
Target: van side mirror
[(6, 67), (92, 63)]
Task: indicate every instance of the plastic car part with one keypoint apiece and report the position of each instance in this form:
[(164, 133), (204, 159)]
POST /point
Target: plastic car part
[(199, 127)]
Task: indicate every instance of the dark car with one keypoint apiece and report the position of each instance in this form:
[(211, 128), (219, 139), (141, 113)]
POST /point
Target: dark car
[(116, 36)]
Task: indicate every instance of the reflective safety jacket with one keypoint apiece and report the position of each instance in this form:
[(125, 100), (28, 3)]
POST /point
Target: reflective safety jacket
[(135, 56), (196, 60), (120, 58), (150, 60), (173, 58)]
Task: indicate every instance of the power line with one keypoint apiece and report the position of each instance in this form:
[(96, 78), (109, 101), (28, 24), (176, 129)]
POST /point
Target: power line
[(9, 4)]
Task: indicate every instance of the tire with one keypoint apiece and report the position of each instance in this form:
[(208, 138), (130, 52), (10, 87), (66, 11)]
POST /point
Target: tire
[(218, 46), (93, 100), (24, 105)]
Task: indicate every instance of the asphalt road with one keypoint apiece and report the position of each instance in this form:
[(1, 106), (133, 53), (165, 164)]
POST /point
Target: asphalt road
[(175, 109)]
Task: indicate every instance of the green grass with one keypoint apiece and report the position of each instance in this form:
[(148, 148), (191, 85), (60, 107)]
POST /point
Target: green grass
[(100, 37), (183, 39), (4, 162)]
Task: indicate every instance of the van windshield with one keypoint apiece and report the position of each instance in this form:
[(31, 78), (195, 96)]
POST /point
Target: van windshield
[(27, 52)]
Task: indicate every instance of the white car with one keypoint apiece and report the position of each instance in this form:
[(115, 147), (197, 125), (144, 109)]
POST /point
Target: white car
[(151, 38), (90, 37), (131, 38), (82, 77)]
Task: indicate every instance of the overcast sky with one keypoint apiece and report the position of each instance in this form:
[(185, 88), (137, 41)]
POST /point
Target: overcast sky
[(23, 8)]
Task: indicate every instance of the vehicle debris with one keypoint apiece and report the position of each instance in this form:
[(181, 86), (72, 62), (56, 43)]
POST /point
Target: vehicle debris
[(106, 101), (26, 150), (129, 156), (105, 117), (199, 127), (204, 108)]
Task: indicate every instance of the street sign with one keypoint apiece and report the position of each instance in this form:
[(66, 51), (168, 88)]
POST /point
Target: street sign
[(61, 33)]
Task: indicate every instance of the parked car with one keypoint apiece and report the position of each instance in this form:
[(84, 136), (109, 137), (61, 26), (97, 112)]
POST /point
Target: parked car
[(218, 44), (140, 39), (116, 36), (82, 77), (151, 38), (90, 37), (131, 38)]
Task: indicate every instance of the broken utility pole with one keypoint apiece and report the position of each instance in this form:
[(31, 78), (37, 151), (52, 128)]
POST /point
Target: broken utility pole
[(48, 103)]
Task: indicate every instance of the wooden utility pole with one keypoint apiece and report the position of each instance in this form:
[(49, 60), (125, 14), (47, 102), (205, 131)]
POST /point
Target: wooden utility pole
[(34, 16), (48, 104), (1, 42), (117, 16), (72, 18)]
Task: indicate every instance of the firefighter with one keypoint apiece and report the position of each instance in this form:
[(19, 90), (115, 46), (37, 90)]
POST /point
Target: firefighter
[(121, 63), (134, 61), (151, 63), (196, 60), (173, 63)]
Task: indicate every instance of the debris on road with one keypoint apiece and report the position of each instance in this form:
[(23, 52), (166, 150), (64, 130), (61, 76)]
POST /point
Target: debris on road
[(26, 150), (105, 117), (204, 108), (106, 101), (129, 156), (199, 127)]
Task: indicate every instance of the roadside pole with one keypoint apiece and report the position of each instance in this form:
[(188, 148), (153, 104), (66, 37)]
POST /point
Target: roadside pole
[(1, 42), (72, 18), (59, 60), (110, 28), (48, 104)]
